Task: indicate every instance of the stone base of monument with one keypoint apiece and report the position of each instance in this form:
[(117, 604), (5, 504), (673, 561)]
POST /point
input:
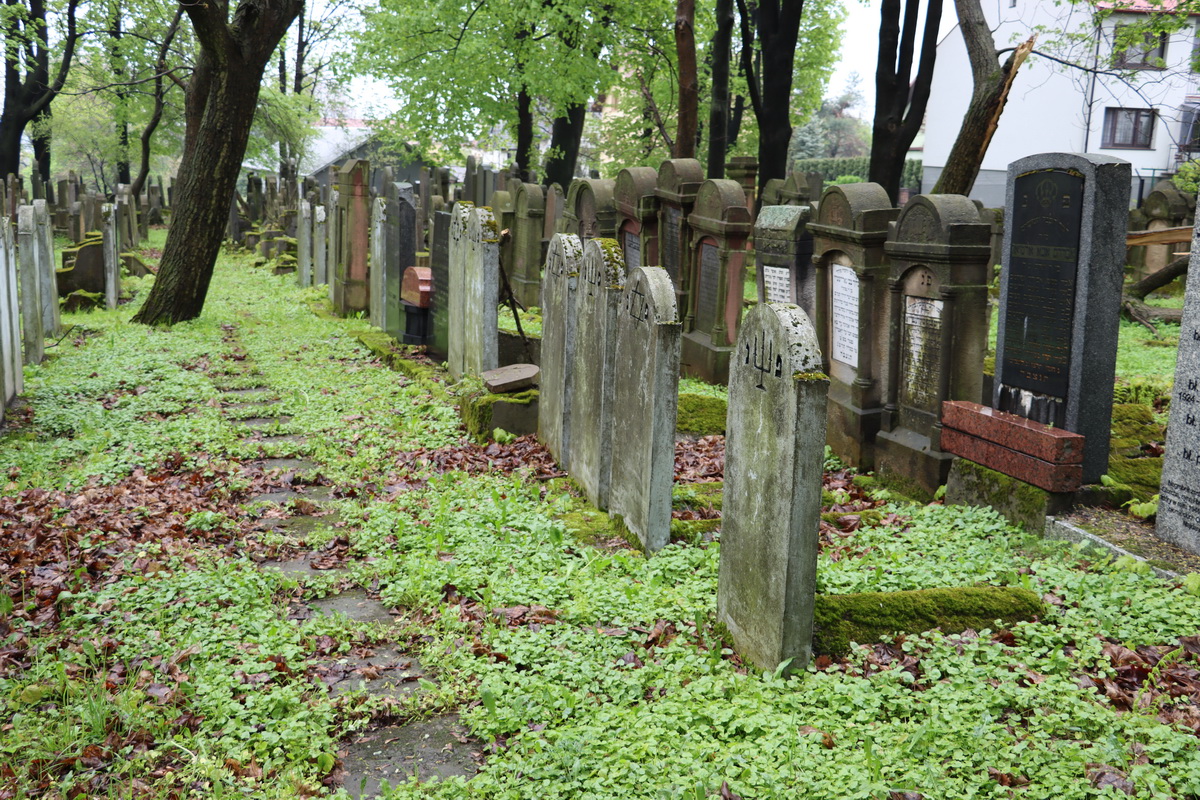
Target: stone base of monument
[(699, 358), (515, 413), (907, 460), (512, 350), (1021, 503), (851, 431), (417, 323)]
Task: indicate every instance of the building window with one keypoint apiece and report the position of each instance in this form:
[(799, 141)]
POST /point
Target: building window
[(1129, 127), (1148, 53)]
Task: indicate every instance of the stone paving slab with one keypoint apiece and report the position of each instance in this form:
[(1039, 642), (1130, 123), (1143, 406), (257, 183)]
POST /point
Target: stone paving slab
[(387, 673), (353, 604), (436, 748)]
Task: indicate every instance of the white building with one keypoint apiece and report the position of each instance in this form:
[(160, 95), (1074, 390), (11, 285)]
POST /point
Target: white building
[(1141, 105)]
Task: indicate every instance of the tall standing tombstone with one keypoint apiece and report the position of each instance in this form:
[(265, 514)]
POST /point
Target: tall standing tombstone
[(646, 392), (590, 211), (744, 170), (48, 291), (941, 258), (637, 216), (401, 253), (784, 248), (10, 318), (438, 345), (112, 257), (1179, 495), (33, 333), (678, 181), (1165, 207), (352, 291), (559, 283), (597, 301), (774, 460), (554, 211), (304, 244), (474, 291), (1060, 295), (720, 225), (376, 269), (424, 195), (851, 312), (501, 203), (320, 248), (525, 273), (332, 239)]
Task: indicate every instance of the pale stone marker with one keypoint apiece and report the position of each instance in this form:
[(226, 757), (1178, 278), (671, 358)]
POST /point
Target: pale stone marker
[(376, 269), (112, 256), (774, 457), (320, 249), (48, 290), (597, 300), (332, 235), (31, 302), (784, 249), (1179, 495), (304, 245), (559, 281), (645, 401), (474, 291), (10, 329)]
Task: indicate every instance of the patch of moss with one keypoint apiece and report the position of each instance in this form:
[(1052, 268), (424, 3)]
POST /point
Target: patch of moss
[(869, 516), (389, 352), (703, 415), (697, 495), (839, 620), (591, 526), (1141, 475), (476, 409), (1021, 503), (81, 300), (691, 531)]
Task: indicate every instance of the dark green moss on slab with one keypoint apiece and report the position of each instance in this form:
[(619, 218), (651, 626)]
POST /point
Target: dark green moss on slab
[(697, 495), (869, 617), (1021, 503), (701, 414), (479, 411)]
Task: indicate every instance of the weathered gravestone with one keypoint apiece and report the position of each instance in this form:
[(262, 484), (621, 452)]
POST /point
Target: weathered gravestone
[(304, 245), (589, 211), (10, 318), (31, 301), (554, 211), (784, 250), (112, 256), (1165, 207), (637, 216), (597, 300), (645, 401), (376, 268), (524, 274), (720, 225), (559, 283), (1060, 295), (940, 253), (438, 344), (851, 319), (400, 253), (504, 211), (320, 247), (474, 291), (774, 457), (48, 291), (351, 290), (678, 181)]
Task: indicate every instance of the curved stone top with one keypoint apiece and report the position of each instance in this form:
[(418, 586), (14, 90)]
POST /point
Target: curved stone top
[(601, 190), (931, 219), (501, 201), (530, 201), (780, 322), (781, 220), (481, 225), (844, 206), (603, 264), (678, 179), (649, 295), (632, 184), (721, 208), (1167, 202), (564, 255)]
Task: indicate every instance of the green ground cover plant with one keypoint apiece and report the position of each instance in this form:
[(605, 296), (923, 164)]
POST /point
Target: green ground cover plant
[(145, 652)]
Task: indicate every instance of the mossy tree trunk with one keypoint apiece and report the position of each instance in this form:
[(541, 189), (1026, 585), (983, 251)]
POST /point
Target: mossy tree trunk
[(221, 99)]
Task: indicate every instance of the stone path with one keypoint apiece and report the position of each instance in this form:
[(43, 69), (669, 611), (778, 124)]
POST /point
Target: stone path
[(431, 748)]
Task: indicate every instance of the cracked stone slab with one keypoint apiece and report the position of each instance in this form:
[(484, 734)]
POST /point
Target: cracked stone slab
[(438, 748), (388, 672), (353, 604)]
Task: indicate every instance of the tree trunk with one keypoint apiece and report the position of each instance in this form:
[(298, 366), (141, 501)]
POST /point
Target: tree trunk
[(41, 146), (992, 83), (565, 135), (524, 133), (689, 82), (778, 31), (900, 100), (233, 57), (718, 104)]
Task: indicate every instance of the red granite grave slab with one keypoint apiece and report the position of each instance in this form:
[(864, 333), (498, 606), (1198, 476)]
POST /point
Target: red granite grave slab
[(417, 286), (1042, 474), (1055, 445)]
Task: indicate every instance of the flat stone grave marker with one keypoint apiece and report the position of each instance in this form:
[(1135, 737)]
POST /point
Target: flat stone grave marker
[(511, 378), (774, 460), (435, 749)]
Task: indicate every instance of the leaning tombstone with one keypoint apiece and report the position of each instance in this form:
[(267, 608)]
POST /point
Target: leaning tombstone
[(559, 282), (112, 257), (940, 258), (774, 458), (637, 216), (1060, 295), (678, 181), (784, 248), (1178, 519), (851, 312), (31, 302), (720, 225), (597, 299), (646, 392), (474, 291), (589, 211)]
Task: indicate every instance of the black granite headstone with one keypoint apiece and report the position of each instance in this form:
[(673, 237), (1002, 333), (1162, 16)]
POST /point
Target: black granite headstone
[(439, 262)]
